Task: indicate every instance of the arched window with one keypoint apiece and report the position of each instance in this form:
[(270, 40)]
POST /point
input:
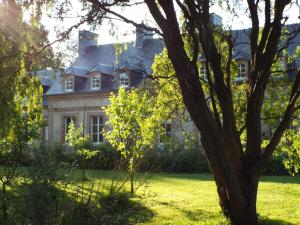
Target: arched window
[(124, 80)]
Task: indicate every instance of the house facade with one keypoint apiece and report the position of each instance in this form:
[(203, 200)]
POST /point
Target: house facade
[(78, 93)]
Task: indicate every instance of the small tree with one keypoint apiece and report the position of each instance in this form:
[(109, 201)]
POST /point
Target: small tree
[(129, 120), (82, 146)]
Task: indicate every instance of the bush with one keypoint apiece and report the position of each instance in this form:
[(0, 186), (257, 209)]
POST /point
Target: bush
[(107, 157), (276, 167), (173, 156)]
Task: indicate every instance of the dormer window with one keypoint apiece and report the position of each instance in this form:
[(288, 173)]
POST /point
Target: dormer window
[(95, 82), (242, 70), (69, 84), (124, 80)]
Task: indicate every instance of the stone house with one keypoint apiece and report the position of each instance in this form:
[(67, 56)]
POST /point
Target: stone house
[(81, 90), (78, 93)]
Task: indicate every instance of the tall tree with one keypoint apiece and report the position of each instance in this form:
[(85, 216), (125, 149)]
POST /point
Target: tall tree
[(21, 99), (236, 168)]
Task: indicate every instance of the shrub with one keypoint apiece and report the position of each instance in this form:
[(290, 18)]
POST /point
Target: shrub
[(107, 157), (173, 156), (276, 167)]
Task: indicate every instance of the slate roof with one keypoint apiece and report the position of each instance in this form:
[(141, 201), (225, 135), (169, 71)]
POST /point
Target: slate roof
[(77, 70), (131, 56), (102, 68), (102, 58), (47, 78)]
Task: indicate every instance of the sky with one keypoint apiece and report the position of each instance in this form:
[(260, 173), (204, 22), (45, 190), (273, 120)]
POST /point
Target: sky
[(122, 32)]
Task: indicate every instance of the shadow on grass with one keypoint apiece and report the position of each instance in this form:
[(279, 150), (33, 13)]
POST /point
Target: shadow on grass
[(48, 205), (268, 221), (185, 176), (201, 215), (197, 215), (281, 179)]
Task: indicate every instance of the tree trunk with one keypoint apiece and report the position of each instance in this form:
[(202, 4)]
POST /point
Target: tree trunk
[(234, 210), (131, 183), (4, 205), (131, 171)]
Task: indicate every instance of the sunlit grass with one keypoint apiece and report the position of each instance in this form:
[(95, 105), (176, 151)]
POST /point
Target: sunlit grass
[(192, 198), (181, 199)]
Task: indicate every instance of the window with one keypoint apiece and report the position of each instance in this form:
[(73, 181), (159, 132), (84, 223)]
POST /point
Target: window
[(96, 129), (166, 132), (242, 70), (67, 122), (203, 71), (69, 84), (124, 80), (95, 82)]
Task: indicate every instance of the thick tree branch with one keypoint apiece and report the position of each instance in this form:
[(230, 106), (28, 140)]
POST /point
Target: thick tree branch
[(105, 8)]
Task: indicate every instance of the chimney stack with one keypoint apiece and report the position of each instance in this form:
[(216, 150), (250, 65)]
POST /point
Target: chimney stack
[(141, 36), (86, 39)]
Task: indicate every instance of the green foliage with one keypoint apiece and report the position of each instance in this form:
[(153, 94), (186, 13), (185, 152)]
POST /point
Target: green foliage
[(20, 45), (173, 156), (130, 124), (128, 120), (107, 157), (289, 150), (168, 102), (79, 142)]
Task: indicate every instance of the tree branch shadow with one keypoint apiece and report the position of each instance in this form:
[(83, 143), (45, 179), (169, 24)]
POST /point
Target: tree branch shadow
[(269, 221)]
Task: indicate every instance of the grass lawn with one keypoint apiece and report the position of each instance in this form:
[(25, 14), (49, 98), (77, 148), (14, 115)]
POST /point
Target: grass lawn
[(192, 199), (183, 199)]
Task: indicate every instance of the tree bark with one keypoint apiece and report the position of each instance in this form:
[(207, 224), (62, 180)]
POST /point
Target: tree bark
[(131, 171), (246, 216), (236, 169), (238, 201), (131, 184), (4, 205)]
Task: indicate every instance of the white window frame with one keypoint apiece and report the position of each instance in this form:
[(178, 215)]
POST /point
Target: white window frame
[(124, 79), (69, 84), (99, 128), (242, 69), (203, 71), (93, 82)]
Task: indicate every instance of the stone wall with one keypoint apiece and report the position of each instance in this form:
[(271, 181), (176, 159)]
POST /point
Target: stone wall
[(78, 105), (84, 105)]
